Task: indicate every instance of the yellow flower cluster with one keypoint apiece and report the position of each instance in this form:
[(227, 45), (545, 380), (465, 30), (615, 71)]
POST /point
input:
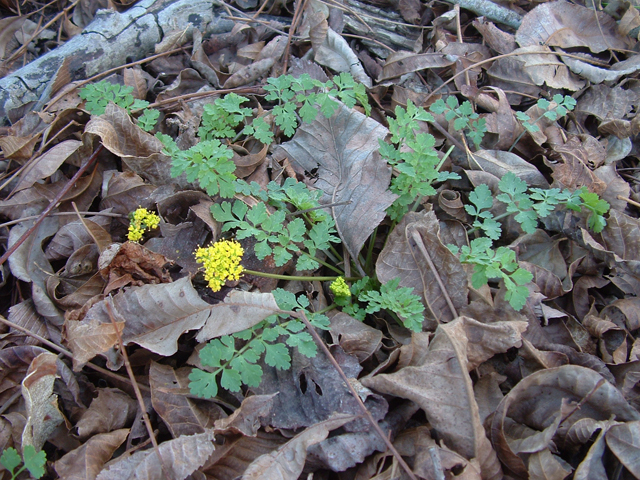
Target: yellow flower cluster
[(340, 288), (141, 220), (221, 262)]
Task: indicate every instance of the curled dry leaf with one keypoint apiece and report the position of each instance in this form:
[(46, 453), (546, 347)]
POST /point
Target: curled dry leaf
[(43, 416), (86, 461), (344, 150), (182, 415), (112, 409), (403, 258), (441, 386), (181, 456), (287, 462), (430, 458), (154, 316), (537, 400)]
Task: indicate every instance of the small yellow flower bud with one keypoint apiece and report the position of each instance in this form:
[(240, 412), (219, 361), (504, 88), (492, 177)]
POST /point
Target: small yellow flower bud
[(141, 220), (340, 288), (221, 262)]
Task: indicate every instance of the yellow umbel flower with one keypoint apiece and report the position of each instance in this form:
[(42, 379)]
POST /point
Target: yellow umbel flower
[(340, 288), (221, 262), (141, 220)]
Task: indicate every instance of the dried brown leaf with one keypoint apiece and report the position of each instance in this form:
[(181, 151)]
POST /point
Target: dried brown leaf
[(182, 415), (86, 461), (111, 410), (624, 442), (544, 465), (498, 163), (47, 164), (43, 416), (355, 337), (72, 236), (138, 149), (344, 150), (402, 258), (441, 386), (592, 467), (230, 460), (25, 315), (181, 456), (246, 419), (288, 461), (154, 316), (401, 63), (567, 25)]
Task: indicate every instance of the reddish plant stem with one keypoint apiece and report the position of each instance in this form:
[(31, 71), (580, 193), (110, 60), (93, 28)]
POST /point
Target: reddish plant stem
[(54, 203)]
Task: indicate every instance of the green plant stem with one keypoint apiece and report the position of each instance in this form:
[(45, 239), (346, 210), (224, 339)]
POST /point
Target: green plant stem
[(321, 262), (372, 240), (338, 257), (499, 217), (525, 131), (293, 277), (327, 309)]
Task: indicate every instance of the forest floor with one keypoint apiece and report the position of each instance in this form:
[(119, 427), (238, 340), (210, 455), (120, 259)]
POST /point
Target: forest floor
[(347, 240)]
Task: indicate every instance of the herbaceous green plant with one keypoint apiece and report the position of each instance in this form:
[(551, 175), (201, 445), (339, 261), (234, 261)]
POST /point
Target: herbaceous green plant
[(528, 205), (413, 157), (209, 162), (398, 301), (496, 264), (226, 119), (465, 118), (232, 360), (274, 233), (560, 107), (98, 95), (531, 204), (221, 118), (33, 461), (302, 97)]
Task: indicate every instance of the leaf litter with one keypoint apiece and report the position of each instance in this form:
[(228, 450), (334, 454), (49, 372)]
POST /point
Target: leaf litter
[(101, 336)]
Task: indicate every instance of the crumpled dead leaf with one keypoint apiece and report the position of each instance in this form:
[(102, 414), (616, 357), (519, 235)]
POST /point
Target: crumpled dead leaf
[(344, 150), (442, 387)]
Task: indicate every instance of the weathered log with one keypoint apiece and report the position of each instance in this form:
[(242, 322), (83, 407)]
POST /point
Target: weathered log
[(112, 39)]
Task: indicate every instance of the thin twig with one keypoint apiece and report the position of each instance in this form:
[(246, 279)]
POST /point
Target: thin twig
[(53, 204), (584, 400), (418, 239), (60, 214), (377, 42), (507, 55), (301, 315), (37, 32), (629, 201), (108, 304), (297, 14), (111, 70), (65, 352)]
